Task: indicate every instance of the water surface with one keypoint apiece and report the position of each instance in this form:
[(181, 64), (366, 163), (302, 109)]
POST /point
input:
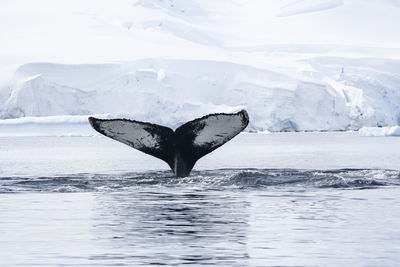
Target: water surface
[(59, 210)]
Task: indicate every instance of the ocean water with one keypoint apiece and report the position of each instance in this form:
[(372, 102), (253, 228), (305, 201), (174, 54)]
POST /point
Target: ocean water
[(290, 199)]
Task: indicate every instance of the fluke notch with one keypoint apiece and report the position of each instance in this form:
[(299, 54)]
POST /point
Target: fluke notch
[(181, 148)]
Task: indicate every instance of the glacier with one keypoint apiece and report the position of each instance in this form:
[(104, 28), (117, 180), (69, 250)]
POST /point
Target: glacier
[(380, 131), (294, 65), (330, 94)]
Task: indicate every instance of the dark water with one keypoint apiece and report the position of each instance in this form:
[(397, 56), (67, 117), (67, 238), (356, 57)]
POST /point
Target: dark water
[(226, 217), (224, 179)]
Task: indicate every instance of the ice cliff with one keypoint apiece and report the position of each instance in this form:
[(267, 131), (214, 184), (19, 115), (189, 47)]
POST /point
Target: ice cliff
[(294, 65)]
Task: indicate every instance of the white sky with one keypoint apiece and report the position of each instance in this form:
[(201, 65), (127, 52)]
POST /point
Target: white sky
[(97, 31)]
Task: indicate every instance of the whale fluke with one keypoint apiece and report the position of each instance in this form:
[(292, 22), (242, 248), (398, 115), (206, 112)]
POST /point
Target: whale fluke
[(181, 148)]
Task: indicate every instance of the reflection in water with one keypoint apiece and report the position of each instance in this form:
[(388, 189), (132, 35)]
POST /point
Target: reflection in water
[(228, 217), (250, 179), (173, 227)]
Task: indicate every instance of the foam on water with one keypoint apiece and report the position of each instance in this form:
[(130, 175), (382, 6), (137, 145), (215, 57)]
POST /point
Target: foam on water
[(222, 179)]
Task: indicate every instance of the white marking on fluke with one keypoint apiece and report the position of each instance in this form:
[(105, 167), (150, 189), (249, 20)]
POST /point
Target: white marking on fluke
[(217, 129), (181, 148), (129, 133)]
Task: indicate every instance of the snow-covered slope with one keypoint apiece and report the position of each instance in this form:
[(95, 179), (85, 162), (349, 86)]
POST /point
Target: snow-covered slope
[(324, 93), (294, 65)]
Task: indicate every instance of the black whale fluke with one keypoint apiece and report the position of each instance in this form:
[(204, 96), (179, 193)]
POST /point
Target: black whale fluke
[(180, 148)]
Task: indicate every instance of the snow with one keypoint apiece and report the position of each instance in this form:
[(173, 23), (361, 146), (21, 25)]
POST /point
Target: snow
[(307, 6), (380, 131), (66, 119), (172, 91), (65, 126), (160, 75), (294, 65)]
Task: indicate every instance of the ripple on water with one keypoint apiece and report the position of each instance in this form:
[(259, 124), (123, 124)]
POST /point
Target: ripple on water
[(223, 179)]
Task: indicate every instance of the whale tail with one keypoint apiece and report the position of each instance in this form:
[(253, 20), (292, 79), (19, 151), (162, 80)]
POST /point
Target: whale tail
[(181, 148)]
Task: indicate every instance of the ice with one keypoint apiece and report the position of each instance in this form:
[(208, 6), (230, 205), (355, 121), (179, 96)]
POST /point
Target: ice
[(380, 131), (333, 93), (65, 119), (65, 125), (294, 65)]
